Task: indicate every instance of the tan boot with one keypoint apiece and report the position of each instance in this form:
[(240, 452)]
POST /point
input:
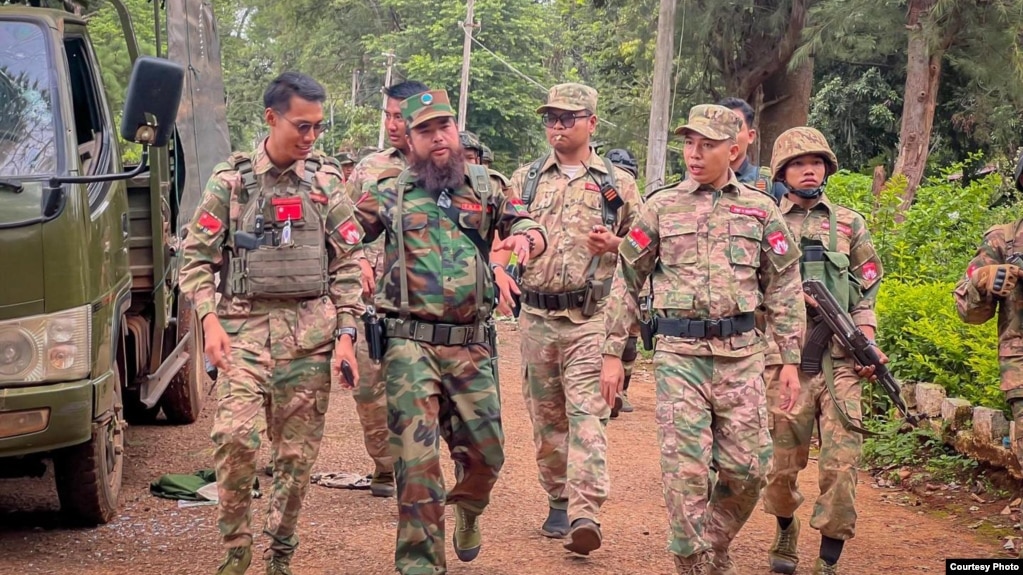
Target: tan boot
[(722, 564), (821, 567), (783, 555), (468, 538), (277, 564), (697, 564), (236, 562)]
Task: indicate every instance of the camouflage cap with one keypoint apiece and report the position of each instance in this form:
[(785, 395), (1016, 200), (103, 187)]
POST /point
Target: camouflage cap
[(571, 97), (801, 141), (470, 141), (712, 121), (345, 158), (426, 106)]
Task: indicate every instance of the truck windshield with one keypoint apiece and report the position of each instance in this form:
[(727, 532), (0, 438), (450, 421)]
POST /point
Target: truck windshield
[(27, 134)]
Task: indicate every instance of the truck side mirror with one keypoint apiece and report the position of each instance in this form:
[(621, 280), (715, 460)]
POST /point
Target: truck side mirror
[(151, 105)]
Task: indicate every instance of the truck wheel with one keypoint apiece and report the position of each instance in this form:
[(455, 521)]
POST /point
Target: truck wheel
[(89, 475), (183, 400)]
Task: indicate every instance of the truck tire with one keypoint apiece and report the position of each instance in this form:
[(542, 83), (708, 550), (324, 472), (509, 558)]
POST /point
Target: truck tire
[(183, 400), (89, 475)]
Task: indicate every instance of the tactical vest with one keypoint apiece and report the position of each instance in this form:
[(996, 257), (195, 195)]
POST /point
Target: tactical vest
[(830, 266), (289, 258)]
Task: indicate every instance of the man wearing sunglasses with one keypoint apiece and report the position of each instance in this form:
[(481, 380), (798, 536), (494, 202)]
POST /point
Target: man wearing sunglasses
[(370, 396), (278, 213), (587, 205)]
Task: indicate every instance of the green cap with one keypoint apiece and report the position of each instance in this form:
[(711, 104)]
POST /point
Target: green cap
[(426, 106), (712, 121), (572, 98)]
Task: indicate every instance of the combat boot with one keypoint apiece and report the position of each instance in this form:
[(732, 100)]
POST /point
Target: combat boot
[(382, 484), (823, 568), (556, 526), (722, 564), (584, 537), (236, 562), (277, 564), (698, 564), (468, 538), (617, 407), (783, 555), (626, 404)]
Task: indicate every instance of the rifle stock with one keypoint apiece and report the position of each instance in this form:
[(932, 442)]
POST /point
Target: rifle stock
[(835, 321)]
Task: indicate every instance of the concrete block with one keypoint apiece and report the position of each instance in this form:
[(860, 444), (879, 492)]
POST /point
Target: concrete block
[(928, 399), (989, 425), (909, 395), (957, 412)]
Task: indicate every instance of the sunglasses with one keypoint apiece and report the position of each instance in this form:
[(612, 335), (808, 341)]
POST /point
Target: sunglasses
[(567, 120), (304, 127)]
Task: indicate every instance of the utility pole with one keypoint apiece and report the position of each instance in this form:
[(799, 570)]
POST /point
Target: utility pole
[(463, 94), (383, 113), (657, 150)]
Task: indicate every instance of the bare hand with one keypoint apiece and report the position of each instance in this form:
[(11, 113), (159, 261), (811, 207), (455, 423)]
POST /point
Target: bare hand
[(218, 344), (601, 241), (345, 351), (367, 277), (867, 372), (507, 288), (789, 391), (612, 379), (515, 243)]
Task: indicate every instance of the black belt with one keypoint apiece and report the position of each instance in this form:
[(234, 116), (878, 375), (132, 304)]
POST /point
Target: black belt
[(702, 328), (437, 333), (564, 300)]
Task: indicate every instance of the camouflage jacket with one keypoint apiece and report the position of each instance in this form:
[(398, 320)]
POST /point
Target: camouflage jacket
[(290, 328), (365, 174), (852, 239), (440, 258), (712, 254), (1000, 243), (568, 208)]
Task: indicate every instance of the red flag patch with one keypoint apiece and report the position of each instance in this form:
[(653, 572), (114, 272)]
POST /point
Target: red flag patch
[(970, 270), (591, 187), (318, 198), (869, 271), (349, 232), (470, 207), (755, 212), (209, 223), (287, 208), (639, 239), (842, 228), (518, 206), (778, 243)]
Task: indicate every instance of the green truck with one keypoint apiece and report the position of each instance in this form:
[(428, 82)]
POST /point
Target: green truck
[(94, 333)]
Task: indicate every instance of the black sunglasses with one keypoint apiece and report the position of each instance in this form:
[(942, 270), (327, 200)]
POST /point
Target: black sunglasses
[(567, 120), (304, 127)]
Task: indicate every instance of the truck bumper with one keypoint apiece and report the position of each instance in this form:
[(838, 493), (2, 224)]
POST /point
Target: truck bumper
[(68, 410)]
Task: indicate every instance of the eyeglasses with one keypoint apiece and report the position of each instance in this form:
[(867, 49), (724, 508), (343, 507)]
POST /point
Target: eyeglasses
[(567, 120), (304, 127)]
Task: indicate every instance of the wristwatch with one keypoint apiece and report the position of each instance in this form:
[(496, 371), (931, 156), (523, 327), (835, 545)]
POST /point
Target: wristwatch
[(349, 331)]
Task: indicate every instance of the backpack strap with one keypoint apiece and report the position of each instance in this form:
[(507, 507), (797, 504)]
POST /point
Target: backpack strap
[(242, 162), (532, 179)]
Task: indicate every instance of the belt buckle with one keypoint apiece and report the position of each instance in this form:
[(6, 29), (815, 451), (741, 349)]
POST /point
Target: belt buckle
[(712, 327), (455, 331)]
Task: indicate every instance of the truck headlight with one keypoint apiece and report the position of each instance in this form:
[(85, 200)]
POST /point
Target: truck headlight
[(50, 347)]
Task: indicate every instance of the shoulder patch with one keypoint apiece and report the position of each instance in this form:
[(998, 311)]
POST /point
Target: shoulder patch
[(749, 211)]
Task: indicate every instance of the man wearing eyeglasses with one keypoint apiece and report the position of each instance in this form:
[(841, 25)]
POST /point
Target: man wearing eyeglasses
[(587, 205), (371, 397), (279, 214)]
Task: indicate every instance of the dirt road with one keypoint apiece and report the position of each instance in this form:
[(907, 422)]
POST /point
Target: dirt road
[(351, 533)]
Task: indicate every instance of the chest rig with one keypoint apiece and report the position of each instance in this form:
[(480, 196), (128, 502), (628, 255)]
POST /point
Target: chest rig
[(278, 241), (827, 264)]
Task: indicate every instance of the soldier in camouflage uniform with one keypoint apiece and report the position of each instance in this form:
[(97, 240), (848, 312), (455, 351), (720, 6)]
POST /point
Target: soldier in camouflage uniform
[(472, 146), (560, 336), (371, 395), (713, 250), (747, 172), (347, 164), (624, 160), (437, 293), (487, 156), (273, 332), (837, 250)]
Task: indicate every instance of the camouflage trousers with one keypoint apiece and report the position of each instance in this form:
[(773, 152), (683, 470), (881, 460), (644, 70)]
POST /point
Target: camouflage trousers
[(562, 393), (710, 410), (294, 395), (436, 391), (371, 407), (834, 514)]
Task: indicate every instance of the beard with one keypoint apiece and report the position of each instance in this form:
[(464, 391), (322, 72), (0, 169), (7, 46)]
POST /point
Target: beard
[(433, 177)]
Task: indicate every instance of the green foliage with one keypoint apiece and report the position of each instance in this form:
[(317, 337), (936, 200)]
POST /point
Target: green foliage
[(860, 118), (892, 449)]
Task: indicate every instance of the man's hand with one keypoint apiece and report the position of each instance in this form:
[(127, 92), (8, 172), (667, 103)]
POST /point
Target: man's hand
[(601, 241), (345, 351), (612, 378), (789, 390), (867, 371), (367, 277), (218, 344), (996, 280), (519, 244), (507, 288)]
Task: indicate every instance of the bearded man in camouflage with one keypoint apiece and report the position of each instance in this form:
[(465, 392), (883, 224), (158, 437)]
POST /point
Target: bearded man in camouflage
[(278, 213), (437, 294), (714, 250)]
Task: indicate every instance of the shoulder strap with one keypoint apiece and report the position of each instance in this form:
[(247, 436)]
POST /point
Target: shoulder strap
[(608, 213), (532, 179), (1010, 239), (242, 162), (479, 177)]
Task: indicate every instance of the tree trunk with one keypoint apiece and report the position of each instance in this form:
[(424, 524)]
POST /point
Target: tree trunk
[(923, 76), (787, 105), (660, 127)]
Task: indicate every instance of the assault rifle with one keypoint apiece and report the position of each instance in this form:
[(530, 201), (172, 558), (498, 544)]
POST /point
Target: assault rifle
[(832, 320)]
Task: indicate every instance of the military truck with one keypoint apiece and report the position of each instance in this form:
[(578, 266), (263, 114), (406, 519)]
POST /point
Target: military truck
[(93, 330)]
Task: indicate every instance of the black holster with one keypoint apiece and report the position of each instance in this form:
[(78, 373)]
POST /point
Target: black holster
[(376, 337), (647, 327), (590, 299)]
